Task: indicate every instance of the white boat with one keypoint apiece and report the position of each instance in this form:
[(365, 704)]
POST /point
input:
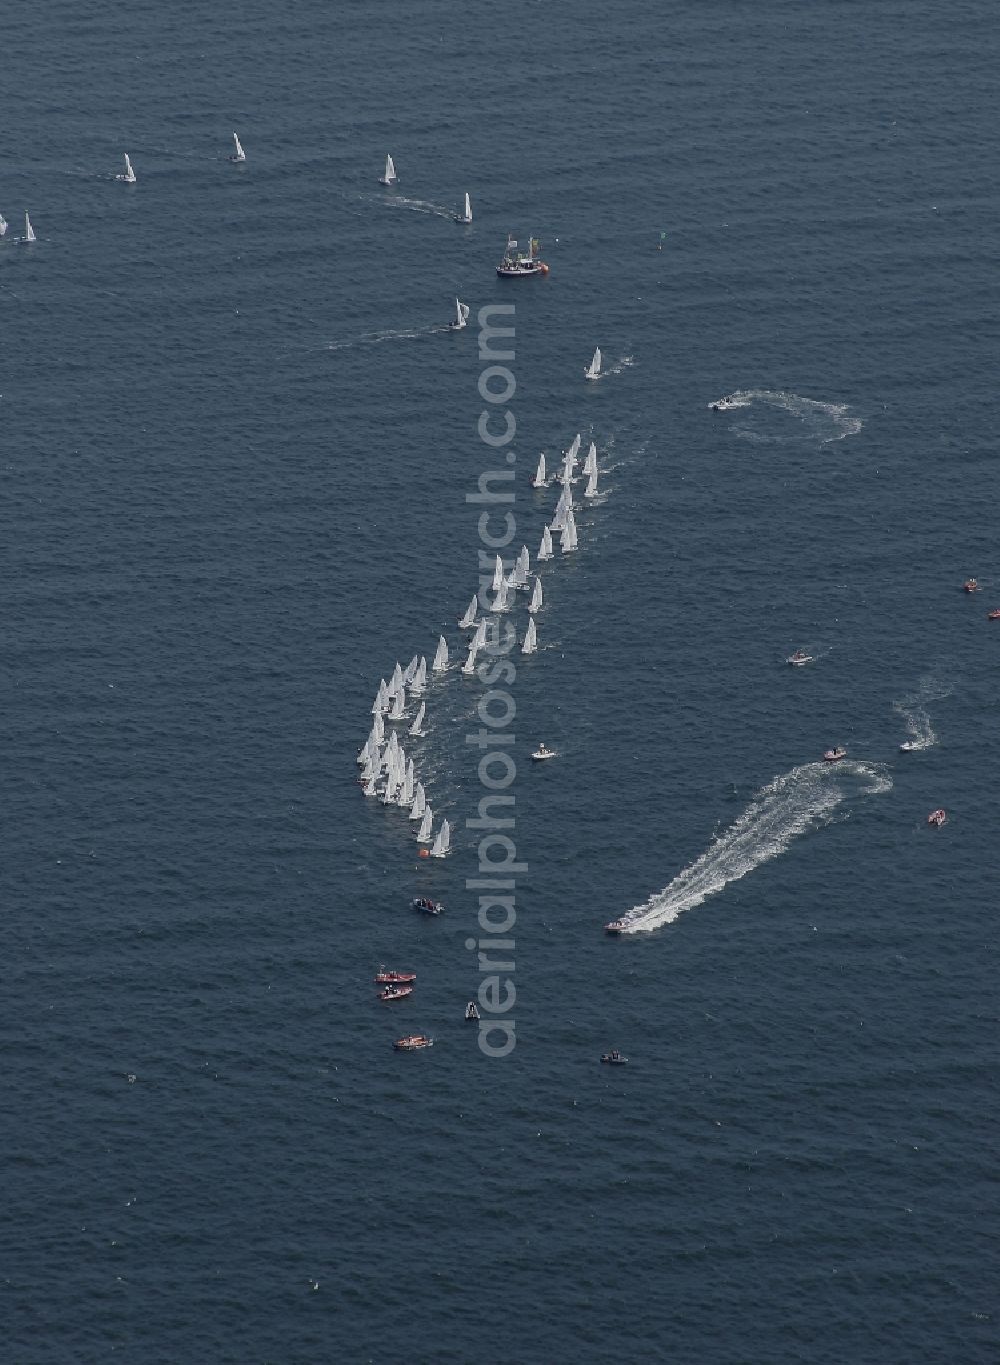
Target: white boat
[(3, 226), (515, 264), (417, 728), (419, 803), (469, 619), (466, 217), (442, 843), (424, 832), (420, 678), (404, 796), (523, 567), (798, 659), (567, 541), (566, 473), (396, 681), (128, 175), (541, 754), (590, 463), (410, 671), (461, 316), (381, 702), (563, 508), (29, 233), (440, 662), (399, 702), (378, 728), (536, 597), (239, 154), (390, 176), (501, 601), (469, 667), (909, 746), (545, 549), (574, 449), (530, 644), (479, 639), (593, 370), (539, 480), (497, 575), (369, 788), (591, 490)]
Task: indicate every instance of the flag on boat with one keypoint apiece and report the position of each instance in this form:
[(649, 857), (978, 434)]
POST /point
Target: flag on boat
[(535, 244)]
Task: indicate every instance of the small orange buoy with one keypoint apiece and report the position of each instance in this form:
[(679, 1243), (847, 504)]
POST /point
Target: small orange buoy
[(543, 268), (423, 853)]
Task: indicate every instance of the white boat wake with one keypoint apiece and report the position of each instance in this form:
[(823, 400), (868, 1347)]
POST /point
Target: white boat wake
[(920, 732), (823, 422), (792, 804), (399, 201), (373, 338)]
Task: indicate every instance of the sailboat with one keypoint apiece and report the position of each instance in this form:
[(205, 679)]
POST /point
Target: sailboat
[(469, 619), (479, 639), (530, 645), (29, 234), (410, 671), (539, 480), (441, 656), (442, 843), (567, 542), (129, 174), (497, 575), (500, 602), (390, 173), (3, 225), (399, 701), (469, 667), (461, 316), (419, 683), (593, 370), (417, 728), (566, 475), (396, 681), (424, 832), (369, 788), (381, 702), (466, 217), (523, 567), (574, 449), (239, 154), (536, 597), (419, 803), (591, 490), (545, 549), (590, 463)]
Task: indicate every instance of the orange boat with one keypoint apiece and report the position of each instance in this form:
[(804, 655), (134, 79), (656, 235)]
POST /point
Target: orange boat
[(413, 1042)]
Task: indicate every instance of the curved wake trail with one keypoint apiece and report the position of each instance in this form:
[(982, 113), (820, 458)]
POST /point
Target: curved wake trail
[(915, 715), (793, 803), (824, 422)]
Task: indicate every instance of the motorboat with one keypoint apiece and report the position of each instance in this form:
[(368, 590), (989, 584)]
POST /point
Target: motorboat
[(970, 585), (395, 992), (834, 755), (908, 746), (617, 926), (542, 753), (798, 659), (993, 615), (472, 1010), (426, 906), (937, 817), (514, 263), (413, 1042), (386, 978), (613, 1058)]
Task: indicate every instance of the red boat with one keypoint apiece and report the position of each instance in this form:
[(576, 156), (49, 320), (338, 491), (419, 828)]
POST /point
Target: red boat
[(384, 978), (993, 615), (937, 817), (617, 926), (834, 755), (413, 1042), (395, 992), (970, 585)]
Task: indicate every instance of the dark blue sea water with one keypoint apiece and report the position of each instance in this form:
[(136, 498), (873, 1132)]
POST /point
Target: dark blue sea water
[(235, 460)]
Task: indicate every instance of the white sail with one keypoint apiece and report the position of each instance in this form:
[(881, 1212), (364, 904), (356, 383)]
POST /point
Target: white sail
[(381, 702), (545, 549), (523, 566), (469, 619), (501, 601), (567, 541), (419, 678), (417, 728), (410, 671), (467, 215), (530, 645), (461, 315), (539, 480), (574, 449), (424, 832), (443, 841), (469, 667), (405, 797), (593, 370), (419, 802), (239, 154), (399, 703), (378, 728), (396, 681), (563, 507), (390, 172), (479, 639), (566, 473), (497, 575), (591, 490), (392, 748), (441, 656), (129, 176), (3, 225), (29, 234), (536, 597), (369, 787), (590, 463)]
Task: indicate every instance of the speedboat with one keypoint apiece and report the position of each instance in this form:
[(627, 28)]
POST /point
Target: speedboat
[(472, 1010), (834, 755), (937, 817), (970, 585), (514, 265), (384, 978), (413, 1042), (426, 906), (395, 992), (798, 659), (613, 1058), (617, 926), (908, 746), (993, 615), (541, 754)]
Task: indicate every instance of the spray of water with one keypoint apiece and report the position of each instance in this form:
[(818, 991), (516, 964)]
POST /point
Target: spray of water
[(822, 422)]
